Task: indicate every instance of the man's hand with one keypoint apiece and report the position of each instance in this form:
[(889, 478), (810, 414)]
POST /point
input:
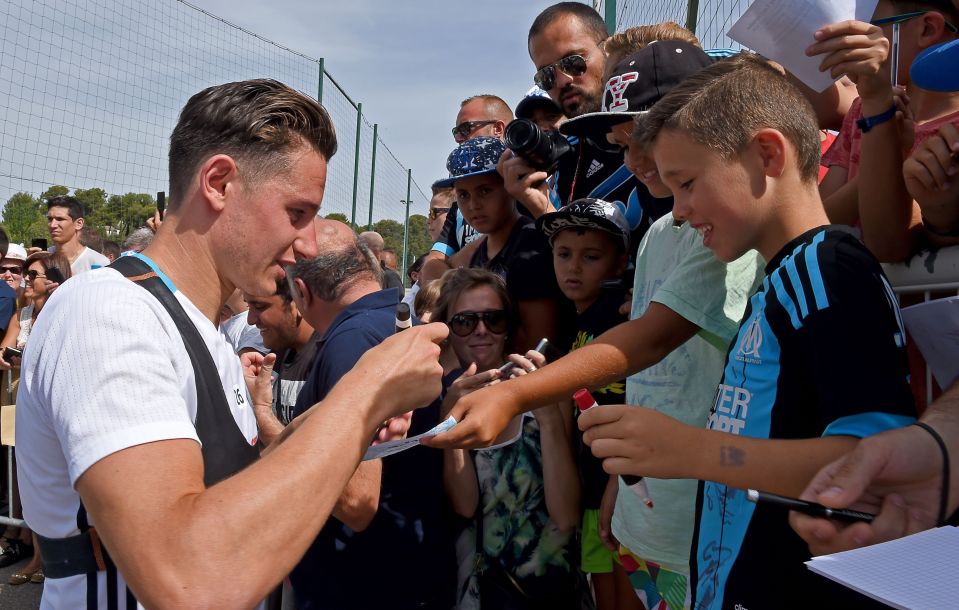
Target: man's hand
[(403, 371), (155, 221), (258, 374), (897, 474), (858, 50), (636, 440), (395, 429), (525, 184)]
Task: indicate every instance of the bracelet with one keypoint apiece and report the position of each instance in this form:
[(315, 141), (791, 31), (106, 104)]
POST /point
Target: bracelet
[(944, 496), (865, 124), (939, 232)]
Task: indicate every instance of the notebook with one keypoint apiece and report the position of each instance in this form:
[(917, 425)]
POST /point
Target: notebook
[(918, 572)]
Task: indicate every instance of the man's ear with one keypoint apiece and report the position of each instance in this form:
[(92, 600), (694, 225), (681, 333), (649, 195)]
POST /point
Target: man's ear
[(79, 222), (219, 177), (302, 297), (933, 29), (499, 128)]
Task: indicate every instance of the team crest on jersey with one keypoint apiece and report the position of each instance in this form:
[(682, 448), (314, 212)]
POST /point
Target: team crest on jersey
[(749, 345), (616, 86)]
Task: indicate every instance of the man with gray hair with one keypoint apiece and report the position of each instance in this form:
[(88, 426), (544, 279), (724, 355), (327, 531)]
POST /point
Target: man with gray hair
[(390, 278), (137, 241), (393, 509)]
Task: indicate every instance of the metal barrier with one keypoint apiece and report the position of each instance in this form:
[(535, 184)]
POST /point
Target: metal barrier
[(6, 441), (929, 275)]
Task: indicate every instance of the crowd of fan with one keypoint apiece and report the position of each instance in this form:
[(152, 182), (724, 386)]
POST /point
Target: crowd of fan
[(656, 217)]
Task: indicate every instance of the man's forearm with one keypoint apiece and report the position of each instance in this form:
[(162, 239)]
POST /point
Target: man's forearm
[(943, 416), (357, 505)]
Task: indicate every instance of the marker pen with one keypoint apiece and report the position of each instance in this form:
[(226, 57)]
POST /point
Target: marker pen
[(810, 508), (585, 401), (403, 318)]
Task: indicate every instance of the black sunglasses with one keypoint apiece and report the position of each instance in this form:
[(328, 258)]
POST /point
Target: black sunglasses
[(571, 65), (34, 274), (435, 212), (464, 129), (465, 322), (11, 270)]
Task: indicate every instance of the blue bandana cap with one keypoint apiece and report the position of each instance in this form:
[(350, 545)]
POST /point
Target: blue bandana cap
[(473, 158)]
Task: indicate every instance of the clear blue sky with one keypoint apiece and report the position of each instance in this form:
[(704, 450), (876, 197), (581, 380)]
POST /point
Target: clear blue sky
[(409, 63)]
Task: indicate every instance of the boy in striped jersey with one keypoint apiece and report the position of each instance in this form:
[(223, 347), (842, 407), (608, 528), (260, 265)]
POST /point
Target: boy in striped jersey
[(819, 358)]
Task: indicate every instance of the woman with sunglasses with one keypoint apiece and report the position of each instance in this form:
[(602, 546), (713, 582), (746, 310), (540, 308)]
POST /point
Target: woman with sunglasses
[(44, 271), (523, 493)]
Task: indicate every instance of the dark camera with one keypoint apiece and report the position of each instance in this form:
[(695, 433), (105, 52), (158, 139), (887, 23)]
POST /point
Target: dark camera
[(541, 149), (9, 352)]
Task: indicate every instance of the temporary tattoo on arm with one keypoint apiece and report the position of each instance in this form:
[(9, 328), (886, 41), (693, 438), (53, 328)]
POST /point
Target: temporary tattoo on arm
[(732, 456)]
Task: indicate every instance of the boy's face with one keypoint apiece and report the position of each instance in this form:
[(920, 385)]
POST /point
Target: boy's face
[(484, 202), (583, 260), (718, 197), (638, 160), (913, 36)]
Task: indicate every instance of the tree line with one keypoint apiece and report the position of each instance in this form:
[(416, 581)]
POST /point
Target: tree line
[(114, 217)]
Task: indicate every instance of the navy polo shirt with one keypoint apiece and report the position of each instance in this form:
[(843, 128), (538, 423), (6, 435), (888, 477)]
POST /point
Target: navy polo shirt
[(405, 558)]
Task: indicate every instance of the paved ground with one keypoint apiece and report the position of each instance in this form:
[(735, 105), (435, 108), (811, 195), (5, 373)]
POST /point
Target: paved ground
[(18, 597)]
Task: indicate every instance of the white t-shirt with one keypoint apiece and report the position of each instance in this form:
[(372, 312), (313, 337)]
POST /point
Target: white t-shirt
[(241, 335), (105, 369), (88, 259), (675, 269)]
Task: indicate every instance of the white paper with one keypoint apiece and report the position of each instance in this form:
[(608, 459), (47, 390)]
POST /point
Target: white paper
[(917, 572), (385, 449), (782, 30), (934, 327)]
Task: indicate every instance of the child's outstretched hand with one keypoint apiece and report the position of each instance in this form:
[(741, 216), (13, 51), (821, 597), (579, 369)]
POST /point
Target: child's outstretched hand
[(640, 441)]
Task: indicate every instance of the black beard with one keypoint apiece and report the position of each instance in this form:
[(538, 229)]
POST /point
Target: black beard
[(586, 106)]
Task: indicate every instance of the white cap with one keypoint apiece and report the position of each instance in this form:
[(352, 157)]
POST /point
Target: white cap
[(16, 251)]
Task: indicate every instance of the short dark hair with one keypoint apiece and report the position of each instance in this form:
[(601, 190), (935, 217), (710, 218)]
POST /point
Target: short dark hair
[(72, 204), (946, 8), (458, 281), (257, 122), (723, 105), (4, 243), (89, 238), (331, 273), (586, 14), (110, 249)]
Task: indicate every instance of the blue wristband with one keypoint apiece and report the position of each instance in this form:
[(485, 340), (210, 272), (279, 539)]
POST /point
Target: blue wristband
[(865, 124)]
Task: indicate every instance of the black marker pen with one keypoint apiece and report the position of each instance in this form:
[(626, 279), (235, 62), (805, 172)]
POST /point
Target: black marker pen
[(810, 508)]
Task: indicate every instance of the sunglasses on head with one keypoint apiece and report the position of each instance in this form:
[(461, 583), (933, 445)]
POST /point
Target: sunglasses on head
[(11, 270), (34, 274), (465, 322), (436, 212), (904, 17), (571, 65), (464, 129)]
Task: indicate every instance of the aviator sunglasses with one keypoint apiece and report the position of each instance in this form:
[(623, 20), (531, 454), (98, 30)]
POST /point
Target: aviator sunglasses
[(465, 322), (571, 65), (464, 129)]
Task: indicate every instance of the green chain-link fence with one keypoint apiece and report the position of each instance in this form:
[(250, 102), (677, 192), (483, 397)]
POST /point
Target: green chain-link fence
[(90, 91)]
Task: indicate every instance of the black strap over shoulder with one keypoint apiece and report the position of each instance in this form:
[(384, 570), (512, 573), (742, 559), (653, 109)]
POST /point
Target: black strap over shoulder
[(225, 449)]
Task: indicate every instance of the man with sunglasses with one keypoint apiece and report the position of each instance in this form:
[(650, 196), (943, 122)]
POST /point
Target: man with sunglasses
[(873, 141), (565, 44), (8, 288)]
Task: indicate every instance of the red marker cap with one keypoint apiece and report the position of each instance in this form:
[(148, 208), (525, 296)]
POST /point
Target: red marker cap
[(584, 400)]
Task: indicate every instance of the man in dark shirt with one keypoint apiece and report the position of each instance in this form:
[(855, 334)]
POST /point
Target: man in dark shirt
[(564, 44), (294, 342), (392, 509), (374, 241)]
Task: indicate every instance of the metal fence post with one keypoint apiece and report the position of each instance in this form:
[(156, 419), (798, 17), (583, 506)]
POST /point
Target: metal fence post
[(611, 16), (406, 223), (356, 161), (319, 86), (692, 15), (369, 223)]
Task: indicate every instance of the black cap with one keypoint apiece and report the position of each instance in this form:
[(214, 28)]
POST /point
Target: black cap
[(637, 82), (587, 213)]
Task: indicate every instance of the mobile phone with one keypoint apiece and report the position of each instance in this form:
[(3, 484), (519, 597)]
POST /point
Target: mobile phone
[(39, 242), (161, 203), (12, 352)]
